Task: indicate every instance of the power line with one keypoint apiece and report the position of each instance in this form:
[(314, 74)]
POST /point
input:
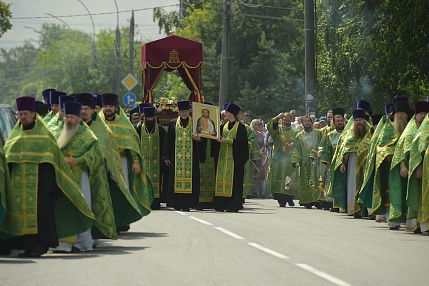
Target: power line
[(94, 14), (267, 6), (271, 17)]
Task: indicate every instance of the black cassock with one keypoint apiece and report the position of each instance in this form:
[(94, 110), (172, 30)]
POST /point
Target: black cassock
[(240, 152), (176, 200)]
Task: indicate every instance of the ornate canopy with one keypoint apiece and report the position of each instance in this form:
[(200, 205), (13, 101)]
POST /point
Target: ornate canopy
[(172, 53)]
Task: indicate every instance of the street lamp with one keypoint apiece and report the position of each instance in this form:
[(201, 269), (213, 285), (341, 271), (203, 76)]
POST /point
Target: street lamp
[(59, 19), (94, 54)]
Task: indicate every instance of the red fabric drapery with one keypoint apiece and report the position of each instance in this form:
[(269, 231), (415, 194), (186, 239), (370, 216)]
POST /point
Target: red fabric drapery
[(170, 53)]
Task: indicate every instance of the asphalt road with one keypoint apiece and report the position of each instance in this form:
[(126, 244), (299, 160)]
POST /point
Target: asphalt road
[(262, 245)]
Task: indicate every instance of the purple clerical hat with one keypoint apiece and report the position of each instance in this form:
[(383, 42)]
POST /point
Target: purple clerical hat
[(72, 107), (47, 94), (358, 113), (183, 105), (26, 103), (232, 108), (421, 106), (376, 118), (141, 106), (364, 105), (149, 111), (86, 99), (54, 96), (109, 99), (65, 98)]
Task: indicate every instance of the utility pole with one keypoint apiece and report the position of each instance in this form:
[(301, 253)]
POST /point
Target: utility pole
[(310, 67), (117, 53), (131, 51), (223, 90)]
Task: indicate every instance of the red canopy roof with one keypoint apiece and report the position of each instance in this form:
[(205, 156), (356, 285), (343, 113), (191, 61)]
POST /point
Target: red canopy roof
[(172, 51)]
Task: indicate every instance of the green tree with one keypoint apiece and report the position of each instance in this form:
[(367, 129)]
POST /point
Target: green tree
[(5, 15)]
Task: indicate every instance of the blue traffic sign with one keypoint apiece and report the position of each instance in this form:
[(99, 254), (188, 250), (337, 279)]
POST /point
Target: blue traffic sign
[(129, 99)]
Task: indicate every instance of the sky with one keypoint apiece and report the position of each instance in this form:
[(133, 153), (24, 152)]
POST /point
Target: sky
[(29, 15)]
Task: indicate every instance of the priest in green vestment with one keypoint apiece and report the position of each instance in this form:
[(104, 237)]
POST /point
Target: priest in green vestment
[(348, 164), (125, 207), (327, 150), (80, 147), (283, 179), (233, 152), (127, 140), (248, 168), (386, 144), (416, 177), (48, 200), (54, 104), (398, 176), (152, 137), (57, 121), (182, 154), (305, 157)]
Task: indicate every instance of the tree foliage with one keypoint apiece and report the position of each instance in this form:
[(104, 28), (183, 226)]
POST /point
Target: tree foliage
[(374, 50), (5, 15)]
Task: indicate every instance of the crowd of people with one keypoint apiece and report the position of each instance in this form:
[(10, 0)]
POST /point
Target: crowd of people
[(77, 168)]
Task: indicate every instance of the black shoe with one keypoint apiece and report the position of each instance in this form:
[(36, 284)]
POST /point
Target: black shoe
[(418, 230), (318, 206), (75, 249), (335, 210), (308, 206), (26, 253), (357, 216), (282, 205), (123, 228), (219, 210), (186, 210), (291, 203), (39, 251), (199, 209), (394, 227)]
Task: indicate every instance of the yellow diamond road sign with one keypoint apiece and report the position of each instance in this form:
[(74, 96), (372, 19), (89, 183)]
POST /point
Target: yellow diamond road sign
[(129, 81)]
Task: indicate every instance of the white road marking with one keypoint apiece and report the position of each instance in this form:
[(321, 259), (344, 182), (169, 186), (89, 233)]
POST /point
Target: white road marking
[(182, 213), (236, 236), (323, 275), (200, 220), (267, 250), (307, 267)]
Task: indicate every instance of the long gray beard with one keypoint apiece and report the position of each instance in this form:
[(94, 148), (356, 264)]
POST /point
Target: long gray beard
[(399, 125), (66, 135), (360, 133)]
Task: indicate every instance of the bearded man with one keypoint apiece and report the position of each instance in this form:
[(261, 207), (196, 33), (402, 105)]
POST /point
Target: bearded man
[(283, 179), (398, 175), (57, 122), (348, 164), (79, 146), (328, 147), (127, 140), (305, 157), (152, 137), (49, 202), (386, 144), (125, 207)]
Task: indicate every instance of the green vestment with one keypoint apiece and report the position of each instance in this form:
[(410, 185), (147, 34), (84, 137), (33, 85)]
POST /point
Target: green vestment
[(384, 151), (225, 167), (207, 176), (398, 184), (84, 147), (425, 190), (150, 149), (328, 147), (5, 184), (127, 139), (349, 144), (48, 117), (125, 207), (305, 153), (282, 177), (55, 125), (25, 150), (419, 146), (366, 190)]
